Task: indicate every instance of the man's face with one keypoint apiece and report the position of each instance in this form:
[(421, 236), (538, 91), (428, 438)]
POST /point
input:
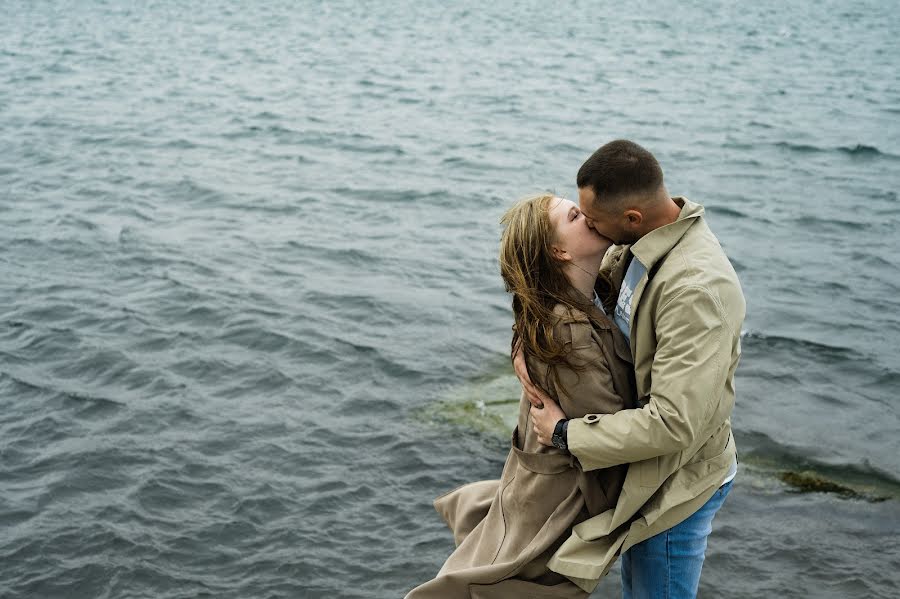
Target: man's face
[(606, 223)]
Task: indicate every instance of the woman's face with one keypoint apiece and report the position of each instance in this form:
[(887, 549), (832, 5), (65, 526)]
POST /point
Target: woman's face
[(575, 240)]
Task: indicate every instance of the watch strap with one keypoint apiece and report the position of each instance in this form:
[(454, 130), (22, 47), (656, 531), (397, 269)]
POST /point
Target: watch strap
[(560, 434)]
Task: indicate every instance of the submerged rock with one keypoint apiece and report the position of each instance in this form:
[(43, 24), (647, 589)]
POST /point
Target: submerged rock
[(488, 405), (811, 482)]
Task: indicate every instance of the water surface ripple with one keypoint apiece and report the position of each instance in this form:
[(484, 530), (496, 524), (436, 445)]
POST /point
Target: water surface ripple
[(247, 245)]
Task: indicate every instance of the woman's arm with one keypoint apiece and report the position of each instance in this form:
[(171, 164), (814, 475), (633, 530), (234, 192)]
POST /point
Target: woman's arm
[(586, 387), (589, 390)]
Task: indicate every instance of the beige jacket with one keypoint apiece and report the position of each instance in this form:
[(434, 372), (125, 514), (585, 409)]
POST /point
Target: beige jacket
[(506, 530), (686, 322)]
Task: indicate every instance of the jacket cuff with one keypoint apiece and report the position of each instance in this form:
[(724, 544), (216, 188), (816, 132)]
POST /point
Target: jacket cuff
[(581, 436)]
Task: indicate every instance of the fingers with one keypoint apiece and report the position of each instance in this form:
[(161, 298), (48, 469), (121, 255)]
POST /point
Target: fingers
[(539, 426), (543, 420), (535, 426), (521, 368), (537, 396), (542, 397), (532, 392)]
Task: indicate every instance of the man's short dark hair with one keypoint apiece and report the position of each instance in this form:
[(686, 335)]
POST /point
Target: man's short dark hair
[(618, 169)]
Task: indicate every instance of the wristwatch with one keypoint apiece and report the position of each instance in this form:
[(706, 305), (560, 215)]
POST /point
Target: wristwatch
[(560, 434)]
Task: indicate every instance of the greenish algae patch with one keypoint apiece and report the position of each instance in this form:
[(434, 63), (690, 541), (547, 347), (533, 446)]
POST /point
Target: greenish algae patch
[(812, 482), (488, 405), (783, 465)]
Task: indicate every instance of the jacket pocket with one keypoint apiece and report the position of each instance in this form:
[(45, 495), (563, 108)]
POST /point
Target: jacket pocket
[(714, 447), (650, 472), (549, 462)]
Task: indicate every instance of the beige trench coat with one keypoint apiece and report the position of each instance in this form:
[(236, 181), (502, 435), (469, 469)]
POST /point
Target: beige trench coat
[(506, 530), (686, 320)]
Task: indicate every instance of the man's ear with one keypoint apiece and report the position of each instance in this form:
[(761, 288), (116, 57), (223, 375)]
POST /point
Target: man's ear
[(633, 218)]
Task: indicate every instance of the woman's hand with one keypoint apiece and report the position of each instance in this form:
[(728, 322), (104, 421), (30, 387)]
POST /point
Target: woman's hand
[(544, 420), (535, 394)]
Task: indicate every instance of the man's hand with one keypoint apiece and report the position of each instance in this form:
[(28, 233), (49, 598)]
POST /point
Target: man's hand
[(535, 394), (544, 420)]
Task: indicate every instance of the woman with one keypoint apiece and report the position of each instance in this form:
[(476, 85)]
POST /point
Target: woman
[(507, 530)]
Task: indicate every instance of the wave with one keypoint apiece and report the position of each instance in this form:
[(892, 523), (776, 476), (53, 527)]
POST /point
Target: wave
[(761, 341), (875, 262), (818, 223), (393, 196), (802, 148), (725, 211), (857, 151), (347, 256), (863, 150)]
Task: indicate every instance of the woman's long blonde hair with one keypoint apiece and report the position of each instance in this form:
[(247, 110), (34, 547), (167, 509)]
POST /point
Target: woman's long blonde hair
[(536, 279)]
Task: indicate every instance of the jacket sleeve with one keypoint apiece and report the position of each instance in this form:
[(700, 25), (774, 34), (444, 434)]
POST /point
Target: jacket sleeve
[(588, 387), (688, 377)]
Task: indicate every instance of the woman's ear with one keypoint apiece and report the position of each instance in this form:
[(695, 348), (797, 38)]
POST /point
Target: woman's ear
[(560, 254)]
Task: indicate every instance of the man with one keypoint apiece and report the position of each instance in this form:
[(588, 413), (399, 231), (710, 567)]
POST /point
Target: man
[(681, 307)]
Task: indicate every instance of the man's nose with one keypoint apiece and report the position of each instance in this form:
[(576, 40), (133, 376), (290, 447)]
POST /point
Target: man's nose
[(590, 223)]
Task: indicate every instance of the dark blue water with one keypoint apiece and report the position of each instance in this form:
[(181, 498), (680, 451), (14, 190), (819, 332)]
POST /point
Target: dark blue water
[(249, 266)]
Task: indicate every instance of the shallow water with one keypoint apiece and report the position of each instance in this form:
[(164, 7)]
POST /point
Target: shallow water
[(249, 251)]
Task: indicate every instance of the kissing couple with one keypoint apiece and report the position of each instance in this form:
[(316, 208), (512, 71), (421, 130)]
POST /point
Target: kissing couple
[(626, 338)]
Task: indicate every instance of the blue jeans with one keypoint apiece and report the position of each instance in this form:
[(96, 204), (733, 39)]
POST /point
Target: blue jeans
[(667, 566)]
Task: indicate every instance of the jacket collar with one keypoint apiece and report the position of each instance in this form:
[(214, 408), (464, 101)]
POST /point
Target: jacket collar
[(650, 248), (604, 321)]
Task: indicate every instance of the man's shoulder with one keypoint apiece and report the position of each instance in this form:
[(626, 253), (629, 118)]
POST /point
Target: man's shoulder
[(698, 259), (695, 269)]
